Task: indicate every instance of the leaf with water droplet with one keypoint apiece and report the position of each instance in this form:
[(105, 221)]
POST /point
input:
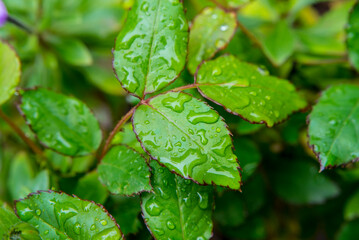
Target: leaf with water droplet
[(353, 36), (61, 123), (66, 217), (23, 179), (172, 208), (333, 131), (9, 72), (194, 143), (211, 31), (151, 49), (124, 171), (7, 219), (231, 4), (243, 90)]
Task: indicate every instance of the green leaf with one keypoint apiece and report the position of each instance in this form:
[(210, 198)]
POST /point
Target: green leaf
[(351, 210), (90, 188), (349, 231), (60, 216), (151, 49), (22, 179), (210, 32), (127, 137), (231, 4), (298, 182), (244, 127), (124, 171), (188, 137), (178, 208), (278, 44), (245, 90), (61, 123), (7, 219), (72, 51), (353, 36), (333, 132), (9, 72), (23, 231)]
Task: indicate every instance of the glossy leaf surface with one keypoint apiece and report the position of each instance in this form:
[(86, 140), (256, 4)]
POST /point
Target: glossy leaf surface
[(61, 123), (245, 90), (333, 131), (178, 208), (124, 171), (151, 49), (210, 32), (9, 72), (189, 138), (60, 216), (353, 36)]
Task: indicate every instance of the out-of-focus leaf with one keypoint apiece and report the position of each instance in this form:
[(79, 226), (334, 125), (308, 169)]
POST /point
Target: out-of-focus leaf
[(22, 179), (126, 211), (298, 182), (231, 4), (178, 208), (60, 216), (210, 32), (278, 44), (90, 188), (351, 211), (349, 231), (230, 209), (245, 127), (9, 72), (127, 137), (69, 166), (189, 138), (7, 219), (249, 155), (61, 123), (151, 49), (124, 171), (333, 131), (353, 36), (72, 51), (245, 90), (104, 79)]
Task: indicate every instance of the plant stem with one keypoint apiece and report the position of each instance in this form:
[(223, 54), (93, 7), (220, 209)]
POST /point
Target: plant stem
[(194, 85), (22, 135), (116, 129), (19, 24)]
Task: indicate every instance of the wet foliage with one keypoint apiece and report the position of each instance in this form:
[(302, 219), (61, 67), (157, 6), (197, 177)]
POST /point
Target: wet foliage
[(170, 119)]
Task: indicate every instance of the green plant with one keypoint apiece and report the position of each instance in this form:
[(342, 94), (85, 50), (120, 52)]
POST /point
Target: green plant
[(172, 155)]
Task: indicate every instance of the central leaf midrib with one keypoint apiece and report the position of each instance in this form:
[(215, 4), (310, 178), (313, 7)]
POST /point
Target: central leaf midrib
[(154, 32), (63, 123)]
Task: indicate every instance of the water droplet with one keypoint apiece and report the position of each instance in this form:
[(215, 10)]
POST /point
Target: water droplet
[(171, 225), (218, 130), (220, 43), (178, 144), (177, 104), (108, 233), (268, 98), (77, 228), (168, 146), (93, 227), (159, 231), (243, 102), (203, 200), (202, 134), (147, 122), (217, 71), (152, 207), (224, 27), (38, 212), (253, 93), (190, 131), (103, 222), (204, 117), (220, 148)]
